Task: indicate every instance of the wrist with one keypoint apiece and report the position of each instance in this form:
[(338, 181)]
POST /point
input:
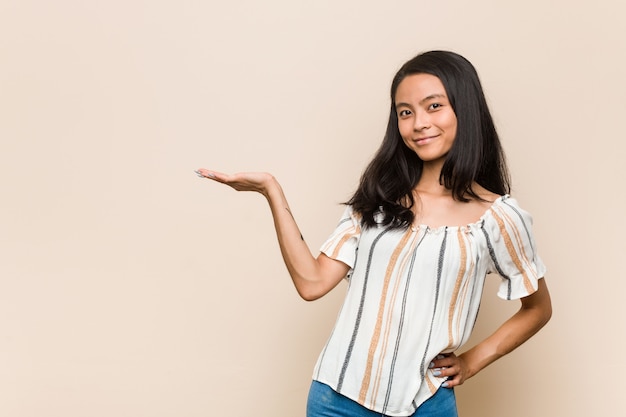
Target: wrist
[(476, 360), (271, 187)]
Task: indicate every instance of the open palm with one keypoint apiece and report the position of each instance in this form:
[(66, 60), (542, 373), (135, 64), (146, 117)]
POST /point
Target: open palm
[(241, 181)]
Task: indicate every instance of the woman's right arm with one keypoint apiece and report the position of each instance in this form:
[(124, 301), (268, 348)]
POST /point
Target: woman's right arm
[(313, 277)]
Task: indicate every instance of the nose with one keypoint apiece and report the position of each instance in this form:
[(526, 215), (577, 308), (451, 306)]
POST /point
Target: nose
[(422, 121)]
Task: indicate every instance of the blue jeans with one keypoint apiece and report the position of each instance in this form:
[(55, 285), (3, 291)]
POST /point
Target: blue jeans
[(325, 402)]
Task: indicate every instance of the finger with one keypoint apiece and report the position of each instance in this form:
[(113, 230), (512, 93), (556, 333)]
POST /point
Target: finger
[(436, 361), (451, 383), (441, 362), (212, 175), (446, 361), (204, 173), (446, 371), (440, 372)]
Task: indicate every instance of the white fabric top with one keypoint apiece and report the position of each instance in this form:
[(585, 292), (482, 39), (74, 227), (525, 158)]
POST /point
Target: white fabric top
[(414, 294)]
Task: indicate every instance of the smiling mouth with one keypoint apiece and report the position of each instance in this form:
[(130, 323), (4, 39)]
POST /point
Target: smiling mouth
[(424, 140)]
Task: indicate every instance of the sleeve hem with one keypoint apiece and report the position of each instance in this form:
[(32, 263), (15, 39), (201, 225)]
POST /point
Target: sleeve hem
[(518, 294)]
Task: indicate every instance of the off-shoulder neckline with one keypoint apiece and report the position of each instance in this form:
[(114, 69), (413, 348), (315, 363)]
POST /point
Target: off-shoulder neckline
[(476, 224)]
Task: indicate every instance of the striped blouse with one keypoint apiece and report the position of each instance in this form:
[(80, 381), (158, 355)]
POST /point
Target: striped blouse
[(414, 294)]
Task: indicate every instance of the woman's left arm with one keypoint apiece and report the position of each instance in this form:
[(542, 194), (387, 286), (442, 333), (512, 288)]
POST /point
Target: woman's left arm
[(534, 313)]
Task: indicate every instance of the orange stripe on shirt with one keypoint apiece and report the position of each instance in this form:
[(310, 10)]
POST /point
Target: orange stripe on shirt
[(346, 236), (379, 319), (520, 244), (457, 285), (508, 242), (396, 289)]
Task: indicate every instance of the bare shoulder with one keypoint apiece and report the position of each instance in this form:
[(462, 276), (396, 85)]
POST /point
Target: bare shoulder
[(482, 205), (487, 196)]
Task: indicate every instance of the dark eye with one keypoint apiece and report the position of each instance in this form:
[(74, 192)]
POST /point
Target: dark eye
[(435, 106), (404, 113)]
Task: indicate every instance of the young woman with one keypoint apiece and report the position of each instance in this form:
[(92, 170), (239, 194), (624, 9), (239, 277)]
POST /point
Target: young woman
[(431, 217)]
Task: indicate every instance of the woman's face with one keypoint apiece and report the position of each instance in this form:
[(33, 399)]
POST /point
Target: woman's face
[(426, 120)]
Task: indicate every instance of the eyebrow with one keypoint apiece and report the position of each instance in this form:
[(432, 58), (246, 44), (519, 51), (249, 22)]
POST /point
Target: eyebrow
[(425, 99), (432, 96)]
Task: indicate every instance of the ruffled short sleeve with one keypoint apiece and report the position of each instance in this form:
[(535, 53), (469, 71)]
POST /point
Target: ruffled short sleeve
[(342, 243), (512, 248)]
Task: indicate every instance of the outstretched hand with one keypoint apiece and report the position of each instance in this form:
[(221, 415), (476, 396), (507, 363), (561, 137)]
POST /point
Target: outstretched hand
[(241, 181)]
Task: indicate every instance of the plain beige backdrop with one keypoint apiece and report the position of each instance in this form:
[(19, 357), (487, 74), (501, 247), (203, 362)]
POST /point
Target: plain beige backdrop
[(130, 287)]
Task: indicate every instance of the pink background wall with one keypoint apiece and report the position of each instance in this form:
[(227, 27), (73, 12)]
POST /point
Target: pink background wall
[(129, 287)]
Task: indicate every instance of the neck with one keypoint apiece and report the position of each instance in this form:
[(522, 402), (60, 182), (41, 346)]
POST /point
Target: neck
[(429, 181)]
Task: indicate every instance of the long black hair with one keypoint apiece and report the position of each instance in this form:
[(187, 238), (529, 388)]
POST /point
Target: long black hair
[(476, 154)]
